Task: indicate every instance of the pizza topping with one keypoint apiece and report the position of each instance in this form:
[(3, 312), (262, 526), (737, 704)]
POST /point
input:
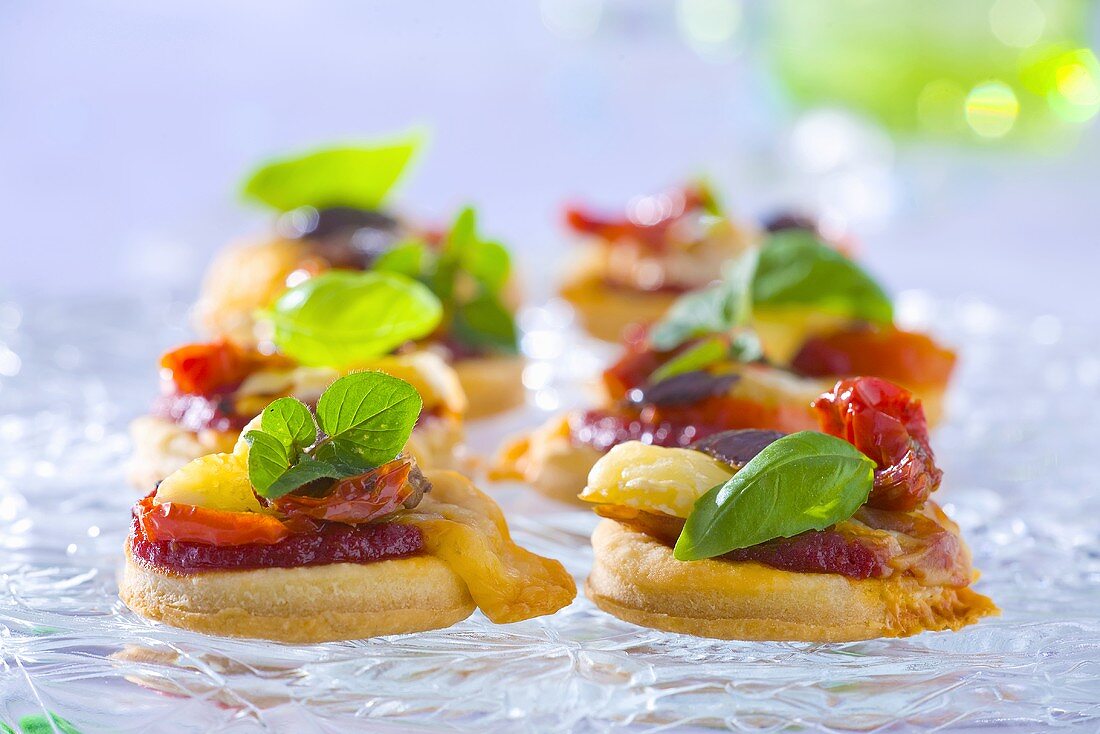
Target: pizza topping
[(465, 528), (739, 447), (887, 424), (330, 543), (893, 354), (683, 389), (212, 368), (363, 497), (647, 224)]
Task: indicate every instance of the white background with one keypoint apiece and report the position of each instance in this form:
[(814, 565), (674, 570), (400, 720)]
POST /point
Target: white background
[(125, 127)]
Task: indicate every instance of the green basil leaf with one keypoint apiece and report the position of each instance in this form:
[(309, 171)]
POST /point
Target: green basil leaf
[(368, 416), (305, 471), (711, 203), (746, 347), (407, 258), (488, 263), (716, 309), (698, 357), (463, 231), (342, 317), (41, 724), (352, 176), (797, 269), (268, 459), (290, 421), (485, 322), (804, 481)]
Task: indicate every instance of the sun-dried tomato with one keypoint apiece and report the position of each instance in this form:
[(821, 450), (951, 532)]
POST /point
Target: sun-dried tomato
[(906, 357), (887, 424), (361, 498), (205, 369)]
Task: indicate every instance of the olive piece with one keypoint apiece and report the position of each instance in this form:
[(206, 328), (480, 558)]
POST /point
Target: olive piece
[(345, 236), (682, 389), (737, 448), (790, 220)]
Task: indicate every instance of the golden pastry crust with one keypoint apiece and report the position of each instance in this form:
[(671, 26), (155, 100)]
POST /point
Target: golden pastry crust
[(340, 601), (637, 579), (547, 460), (243, 278), (492, 384), (605, 311), (162, 446)]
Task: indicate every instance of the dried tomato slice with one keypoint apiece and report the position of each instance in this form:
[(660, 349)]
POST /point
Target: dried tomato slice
[(653, 235), (177, 521), (361, 498), (893, 354), (887, 424), (204, 369)]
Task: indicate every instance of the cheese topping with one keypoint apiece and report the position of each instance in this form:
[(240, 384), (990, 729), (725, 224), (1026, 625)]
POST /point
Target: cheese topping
[(465, 528), (653, 478)]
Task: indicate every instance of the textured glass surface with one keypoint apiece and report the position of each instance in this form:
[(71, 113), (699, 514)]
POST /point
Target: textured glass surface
[(1018, 451)]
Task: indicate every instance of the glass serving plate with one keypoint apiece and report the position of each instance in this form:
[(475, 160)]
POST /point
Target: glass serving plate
[(1017, 450)]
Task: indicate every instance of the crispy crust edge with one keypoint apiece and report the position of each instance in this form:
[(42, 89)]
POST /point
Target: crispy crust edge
[(341, 601), (492, 384), (637, 579)]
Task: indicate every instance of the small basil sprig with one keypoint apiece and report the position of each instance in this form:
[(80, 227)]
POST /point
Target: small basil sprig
[(341, 317), (795, 268), (365, 420), (355, 176), (804, 481), (716, 309), (468, 274), (792, 268)]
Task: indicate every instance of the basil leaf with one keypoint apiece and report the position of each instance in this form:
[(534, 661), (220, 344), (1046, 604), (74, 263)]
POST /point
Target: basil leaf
[(341, 317), (796, 269), (712, 205), (359, 177), (268, 459), (305, 471), (463, 231), (42, 724), (698, 357), (716, 309), (368, 417), (485, 322), (290, 421), (407, 258), (746, 347), (488, 263), (804, 481)]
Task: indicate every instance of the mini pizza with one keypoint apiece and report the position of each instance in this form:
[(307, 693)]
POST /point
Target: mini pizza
[(664, 398), (318, 528), (632, 267), (332, 217), (813, 308), (211, 390), (759, 535)]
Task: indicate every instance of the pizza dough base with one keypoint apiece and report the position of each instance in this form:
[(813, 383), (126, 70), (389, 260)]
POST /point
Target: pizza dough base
[(492, 384), (636, 578), (340, 601), (547, 460)]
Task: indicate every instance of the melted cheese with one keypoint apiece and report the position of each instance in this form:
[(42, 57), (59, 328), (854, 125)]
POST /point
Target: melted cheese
[(464, 528), (653, 478)]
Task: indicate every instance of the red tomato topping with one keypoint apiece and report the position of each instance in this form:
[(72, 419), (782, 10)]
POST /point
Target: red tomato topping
[(357, 499), (177, 521), (887, 424), (204, 369), (652, 234), (893, 354)]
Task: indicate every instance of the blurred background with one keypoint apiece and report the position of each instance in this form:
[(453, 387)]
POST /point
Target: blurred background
[(955, 141)]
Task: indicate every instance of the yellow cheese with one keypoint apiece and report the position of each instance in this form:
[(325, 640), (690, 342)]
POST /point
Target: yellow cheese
[(653, 478), (464, 528)]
